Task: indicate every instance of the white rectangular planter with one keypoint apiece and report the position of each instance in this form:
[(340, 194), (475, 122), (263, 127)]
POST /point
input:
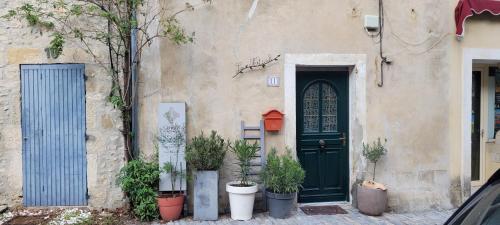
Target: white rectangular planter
[(206, 195)]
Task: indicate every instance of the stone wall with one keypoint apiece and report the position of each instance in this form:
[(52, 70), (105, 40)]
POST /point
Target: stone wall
[(412, 110), (418, 110), (21, 44)]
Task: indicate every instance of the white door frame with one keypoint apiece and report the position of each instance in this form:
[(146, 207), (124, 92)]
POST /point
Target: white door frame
[(470, 56), (357, 99)]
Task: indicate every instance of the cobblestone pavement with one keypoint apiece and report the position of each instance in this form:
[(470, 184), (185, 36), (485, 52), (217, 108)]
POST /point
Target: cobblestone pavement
[(353, 217)]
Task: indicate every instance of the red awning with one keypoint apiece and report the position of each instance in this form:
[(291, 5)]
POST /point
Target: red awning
[(467, 8)]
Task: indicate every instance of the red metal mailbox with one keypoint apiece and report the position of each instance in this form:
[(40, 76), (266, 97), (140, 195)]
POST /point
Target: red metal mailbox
[(273, 120)]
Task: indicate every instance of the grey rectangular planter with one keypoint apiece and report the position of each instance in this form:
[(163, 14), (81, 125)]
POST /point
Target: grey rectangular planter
[(206, 195)]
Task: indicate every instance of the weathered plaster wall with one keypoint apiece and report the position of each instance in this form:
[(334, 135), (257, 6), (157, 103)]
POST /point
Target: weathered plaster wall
[(20, 44), (411, 110), (149, 88)]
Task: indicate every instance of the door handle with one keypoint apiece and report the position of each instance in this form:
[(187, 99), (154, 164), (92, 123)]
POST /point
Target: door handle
[(322, 143), (342, 138)]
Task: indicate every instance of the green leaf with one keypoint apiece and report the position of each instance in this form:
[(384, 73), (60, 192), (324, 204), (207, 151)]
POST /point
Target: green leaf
[(76, 10), (56, 45), (116, 101), (244, 152), (174, 31), (375, 151), (10, 14)]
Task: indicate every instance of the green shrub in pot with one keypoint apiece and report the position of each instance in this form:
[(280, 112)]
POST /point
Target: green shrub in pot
[(282, 176), (205, 155), (244, 153), (206, 152)]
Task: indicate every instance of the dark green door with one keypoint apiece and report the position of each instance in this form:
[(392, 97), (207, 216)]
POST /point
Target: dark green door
[(322, 132)]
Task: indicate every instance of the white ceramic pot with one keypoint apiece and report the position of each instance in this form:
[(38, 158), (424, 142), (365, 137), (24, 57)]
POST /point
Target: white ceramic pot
[(241, 200)]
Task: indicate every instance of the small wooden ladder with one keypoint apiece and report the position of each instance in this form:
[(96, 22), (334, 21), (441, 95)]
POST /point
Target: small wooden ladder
[(257, 133)]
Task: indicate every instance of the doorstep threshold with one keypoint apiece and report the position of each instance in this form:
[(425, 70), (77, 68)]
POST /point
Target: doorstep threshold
[(340, 203)]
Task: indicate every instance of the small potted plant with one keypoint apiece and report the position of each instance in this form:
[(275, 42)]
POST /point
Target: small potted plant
[(282, 177), (372, 196), (170, 203), (206, 155), (242, 192)]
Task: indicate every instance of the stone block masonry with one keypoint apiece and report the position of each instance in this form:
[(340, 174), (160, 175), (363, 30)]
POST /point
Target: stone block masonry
[(21, 44)]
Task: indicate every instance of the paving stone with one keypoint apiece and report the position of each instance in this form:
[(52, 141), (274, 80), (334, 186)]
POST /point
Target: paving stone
[(353, 217)]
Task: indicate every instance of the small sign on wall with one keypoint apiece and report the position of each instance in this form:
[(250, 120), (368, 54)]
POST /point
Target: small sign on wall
[(273, 81), (172, 142)]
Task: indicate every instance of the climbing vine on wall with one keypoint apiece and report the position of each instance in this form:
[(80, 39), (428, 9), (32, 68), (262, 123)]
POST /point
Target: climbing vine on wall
[(111, 23)]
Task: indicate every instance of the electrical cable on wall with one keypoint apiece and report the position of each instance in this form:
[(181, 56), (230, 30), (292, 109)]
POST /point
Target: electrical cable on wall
[(384, 59), (381, 36), (408, 44)]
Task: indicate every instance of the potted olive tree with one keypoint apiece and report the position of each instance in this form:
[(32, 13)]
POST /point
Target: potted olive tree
[(206, 155), (242, 192), (282, 177), (170, 203), (372, 196)]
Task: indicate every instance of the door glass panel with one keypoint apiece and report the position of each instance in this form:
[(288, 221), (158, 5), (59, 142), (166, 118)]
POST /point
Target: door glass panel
[(329, 109), (311, 109)]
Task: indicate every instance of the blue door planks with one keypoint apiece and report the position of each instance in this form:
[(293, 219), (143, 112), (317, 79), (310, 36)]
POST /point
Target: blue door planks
[(53, 129)]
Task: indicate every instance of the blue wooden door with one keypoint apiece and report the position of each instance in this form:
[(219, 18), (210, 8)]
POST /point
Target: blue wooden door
[(53, 128)]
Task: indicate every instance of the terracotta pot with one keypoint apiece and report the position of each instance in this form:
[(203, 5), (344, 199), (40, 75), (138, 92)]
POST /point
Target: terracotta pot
[(170, 207), (371, 201)]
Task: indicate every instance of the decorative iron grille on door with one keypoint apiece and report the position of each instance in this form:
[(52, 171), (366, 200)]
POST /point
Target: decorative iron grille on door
[(53, 129)]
